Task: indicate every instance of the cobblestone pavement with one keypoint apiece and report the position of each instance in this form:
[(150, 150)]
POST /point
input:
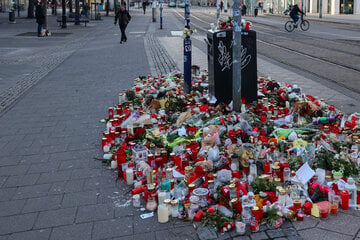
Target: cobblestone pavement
[(51, 186)]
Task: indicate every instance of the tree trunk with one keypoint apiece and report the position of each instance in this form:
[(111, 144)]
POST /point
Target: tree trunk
[(31, 9)]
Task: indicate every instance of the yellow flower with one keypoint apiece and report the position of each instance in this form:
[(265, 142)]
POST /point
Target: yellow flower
[(299, 143)]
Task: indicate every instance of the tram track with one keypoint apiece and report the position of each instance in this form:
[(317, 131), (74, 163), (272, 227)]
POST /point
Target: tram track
[(327, 59)]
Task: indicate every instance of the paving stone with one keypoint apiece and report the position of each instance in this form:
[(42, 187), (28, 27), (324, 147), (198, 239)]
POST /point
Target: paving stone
[(3, 180), (113, 228), (9, 161), (241, 238), (17, 223), (55, 176), (206, 233), (99, 183), (85, 173), (73, 164), (25, 180), (350, 212), (308, 222), (67, 186), (42, 234), (42, 203), (4, 237), (317, 233), (290, 232), (72, 232), (275, 233), (54, 148), (342, 223), (32, 191), (259, 236), (11, 207), (54, 218), (7, 193), (44, 167), (79, 199), (149, 224), (94, 213), (33, 159), (14, 170), (286, 224), (296, 237), (177, 234)]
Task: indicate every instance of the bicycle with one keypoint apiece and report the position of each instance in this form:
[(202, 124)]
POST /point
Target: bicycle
[(304, 24)]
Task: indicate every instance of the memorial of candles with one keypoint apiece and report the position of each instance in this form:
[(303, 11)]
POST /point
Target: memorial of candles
[(188, 157)]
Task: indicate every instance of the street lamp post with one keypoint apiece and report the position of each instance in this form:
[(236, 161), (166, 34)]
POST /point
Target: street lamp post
[(236, 91), (77, 12), (187, 51), (161, 14), (63, 5)]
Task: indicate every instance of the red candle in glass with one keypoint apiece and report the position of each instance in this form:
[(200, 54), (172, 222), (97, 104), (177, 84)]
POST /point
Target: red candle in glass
[(297, 205), (104, 142), (177, 162), (254, 226), (344, 199), (192, 177), (267, 168), (300, 216), (324, 212), (257, 213), (236, 174)]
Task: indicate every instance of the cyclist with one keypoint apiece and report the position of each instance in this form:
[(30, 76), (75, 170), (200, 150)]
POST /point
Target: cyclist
[(294, 13)]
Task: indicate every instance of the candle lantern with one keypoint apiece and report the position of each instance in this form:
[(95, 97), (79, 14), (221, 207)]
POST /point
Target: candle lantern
[(140, 153), (257, 213), (351, 188), (202, 194)]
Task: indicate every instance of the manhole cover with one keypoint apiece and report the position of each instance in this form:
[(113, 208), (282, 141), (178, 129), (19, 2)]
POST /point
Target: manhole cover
[(34, 34)]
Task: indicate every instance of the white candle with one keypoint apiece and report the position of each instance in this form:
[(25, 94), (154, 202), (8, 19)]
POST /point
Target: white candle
[(287, 104), (113, 164), (129, 176), (240, 227), (161, 197), (163, 215), (106, 148)]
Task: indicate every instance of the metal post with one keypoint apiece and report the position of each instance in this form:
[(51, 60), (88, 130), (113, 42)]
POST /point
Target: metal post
[(236, 91), (320, 8), (107, 7), (225, 5), (153, 5), (217, 10), (161, 15), (18, 7), (187, 51), (63, 5)]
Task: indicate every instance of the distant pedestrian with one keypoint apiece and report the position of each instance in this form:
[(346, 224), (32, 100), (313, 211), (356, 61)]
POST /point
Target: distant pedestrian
[(144, 6), (243, 10), (256, 10), (40, 17), (124, 19), (221, 5), (86, 9)]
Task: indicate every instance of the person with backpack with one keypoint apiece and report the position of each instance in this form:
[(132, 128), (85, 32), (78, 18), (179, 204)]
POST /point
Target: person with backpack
[(124, 18)]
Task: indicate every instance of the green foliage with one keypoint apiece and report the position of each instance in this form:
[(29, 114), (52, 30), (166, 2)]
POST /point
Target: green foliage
[(271, 215), (130, 95), (296, 162), (216, 220), (263, 185), (174, 104)]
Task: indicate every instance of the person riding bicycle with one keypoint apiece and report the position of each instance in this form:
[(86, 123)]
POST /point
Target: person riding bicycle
[(294, 13)]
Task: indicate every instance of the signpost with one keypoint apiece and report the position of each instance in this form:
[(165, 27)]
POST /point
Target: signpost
[(161, 15), (236, 57), (187, 51)]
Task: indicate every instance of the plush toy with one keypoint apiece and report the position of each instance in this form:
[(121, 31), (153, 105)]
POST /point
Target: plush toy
[(154, 105)]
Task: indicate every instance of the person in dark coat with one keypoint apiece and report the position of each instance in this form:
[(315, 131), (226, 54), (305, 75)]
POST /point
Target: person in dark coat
[(221, 5), (40, 17), (243, 10), (144, 6), (124, 18), (294, 13)]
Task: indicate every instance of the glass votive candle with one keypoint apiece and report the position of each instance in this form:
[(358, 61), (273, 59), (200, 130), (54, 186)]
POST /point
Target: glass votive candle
[(240, 227), (333, 209), (254, 226), (324, 211)]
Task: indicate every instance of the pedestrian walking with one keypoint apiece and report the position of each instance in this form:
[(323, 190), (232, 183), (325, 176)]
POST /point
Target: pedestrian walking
[(221, 5), (124, 19), (40, 17), (144, 6), (256, 11), (243, 10)]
